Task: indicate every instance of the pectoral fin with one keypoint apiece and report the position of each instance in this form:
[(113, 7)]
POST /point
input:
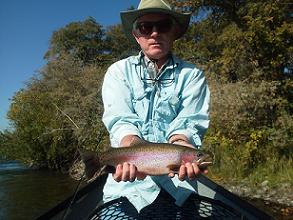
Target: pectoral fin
[(174, 168)]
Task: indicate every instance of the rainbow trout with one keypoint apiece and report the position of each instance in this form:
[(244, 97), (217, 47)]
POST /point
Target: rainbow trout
[(150, 158)]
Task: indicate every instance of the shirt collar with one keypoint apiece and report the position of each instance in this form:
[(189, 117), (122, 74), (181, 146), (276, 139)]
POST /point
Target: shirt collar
[(136, 60)]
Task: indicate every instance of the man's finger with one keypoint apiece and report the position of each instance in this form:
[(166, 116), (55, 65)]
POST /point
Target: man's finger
[(132, 172), (125, 172), (190, 171), (196, 169), (118, 173), (182, 172)]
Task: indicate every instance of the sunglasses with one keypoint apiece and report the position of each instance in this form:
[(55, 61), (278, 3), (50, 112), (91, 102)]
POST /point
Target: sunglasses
[(158, 80), (147, 27)]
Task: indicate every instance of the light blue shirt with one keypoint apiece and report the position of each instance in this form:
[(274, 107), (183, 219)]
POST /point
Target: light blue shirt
[(177, 102)]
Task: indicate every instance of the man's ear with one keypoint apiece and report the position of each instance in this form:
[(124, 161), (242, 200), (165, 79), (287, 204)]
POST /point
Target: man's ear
[(135, 36), (176, 31)]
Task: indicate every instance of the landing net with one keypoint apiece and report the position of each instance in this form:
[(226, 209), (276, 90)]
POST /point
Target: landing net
[(196, 207)]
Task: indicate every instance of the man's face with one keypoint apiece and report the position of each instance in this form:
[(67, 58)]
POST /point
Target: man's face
[(157, 35)]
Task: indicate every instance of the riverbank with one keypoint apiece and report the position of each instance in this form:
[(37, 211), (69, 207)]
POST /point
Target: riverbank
[(276, 201), (282, 195)]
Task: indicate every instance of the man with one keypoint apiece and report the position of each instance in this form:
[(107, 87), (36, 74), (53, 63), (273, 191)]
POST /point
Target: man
[(154, 97)]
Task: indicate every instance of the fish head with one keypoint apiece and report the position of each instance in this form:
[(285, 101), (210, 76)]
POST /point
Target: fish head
[(202, 158)]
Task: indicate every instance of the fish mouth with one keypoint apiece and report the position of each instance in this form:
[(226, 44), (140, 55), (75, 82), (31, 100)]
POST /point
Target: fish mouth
[(205, 161)]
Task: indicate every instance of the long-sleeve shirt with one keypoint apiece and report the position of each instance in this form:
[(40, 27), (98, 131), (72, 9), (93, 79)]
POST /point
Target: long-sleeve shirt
[(175, 102)]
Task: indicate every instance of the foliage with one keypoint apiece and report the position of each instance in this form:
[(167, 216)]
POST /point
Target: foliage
[(82, 40), (243, 46), (42, 112), (250, 127), (6, 141), (118, 44), (256, 34)]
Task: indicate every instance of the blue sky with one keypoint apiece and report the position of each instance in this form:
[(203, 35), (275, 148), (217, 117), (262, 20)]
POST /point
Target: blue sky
[(26, 28)]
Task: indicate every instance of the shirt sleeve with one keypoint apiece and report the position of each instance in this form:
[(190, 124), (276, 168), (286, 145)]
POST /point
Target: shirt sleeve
[(193, 116), (119, 116)]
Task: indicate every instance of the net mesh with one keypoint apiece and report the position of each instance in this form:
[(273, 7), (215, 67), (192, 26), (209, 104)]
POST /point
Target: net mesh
[(196, 207)]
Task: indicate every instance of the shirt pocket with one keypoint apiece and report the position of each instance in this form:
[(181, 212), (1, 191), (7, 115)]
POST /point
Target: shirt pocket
[(140, 103), (167, 107)]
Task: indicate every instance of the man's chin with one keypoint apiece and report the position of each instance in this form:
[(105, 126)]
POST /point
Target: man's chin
[(157, 53)]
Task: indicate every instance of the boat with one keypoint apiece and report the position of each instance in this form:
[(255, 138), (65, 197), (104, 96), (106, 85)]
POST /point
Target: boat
[(212, 201)]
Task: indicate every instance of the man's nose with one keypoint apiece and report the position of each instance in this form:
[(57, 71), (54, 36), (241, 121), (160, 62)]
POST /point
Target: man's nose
[(155, 31)]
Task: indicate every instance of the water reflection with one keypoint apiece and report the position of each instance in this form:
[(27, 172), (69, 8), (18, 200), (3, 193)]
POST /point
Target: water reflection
[(11, 165), (26, 193)]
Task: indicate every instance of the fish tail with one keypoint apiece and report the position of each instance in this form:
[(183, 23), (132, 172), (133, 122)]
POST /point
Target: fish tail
[(91, 162)]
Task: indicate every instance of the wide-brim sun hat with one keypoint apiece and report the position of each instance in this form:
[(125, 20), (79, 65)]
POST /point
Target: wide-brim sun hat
[(154, 6)]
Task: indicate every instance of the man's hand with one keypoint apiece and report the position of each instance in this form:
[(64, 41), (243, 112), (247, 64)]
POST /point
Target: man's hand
[(127, 172), (180, 139), (130, 140), (183, 143), (190, 170)]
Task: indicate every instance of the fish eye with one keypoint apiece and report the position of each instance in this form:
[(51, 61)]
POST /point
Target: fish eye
[(199, 154)]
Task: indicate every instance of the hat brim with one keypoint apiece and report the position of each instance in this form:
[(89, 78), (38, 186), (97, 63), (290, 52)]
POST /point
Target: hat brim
[(129, 17)]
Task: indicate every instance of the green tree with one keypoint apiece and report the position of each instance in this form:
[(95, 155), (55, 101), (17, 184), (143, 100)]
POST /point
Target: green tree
[(58, 112), (118, 44), (82, 40), (256, 34)]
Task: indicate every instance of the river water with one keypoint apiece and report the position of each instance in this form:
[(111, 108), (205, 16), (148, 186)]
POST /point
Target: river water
[(26, 193)]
